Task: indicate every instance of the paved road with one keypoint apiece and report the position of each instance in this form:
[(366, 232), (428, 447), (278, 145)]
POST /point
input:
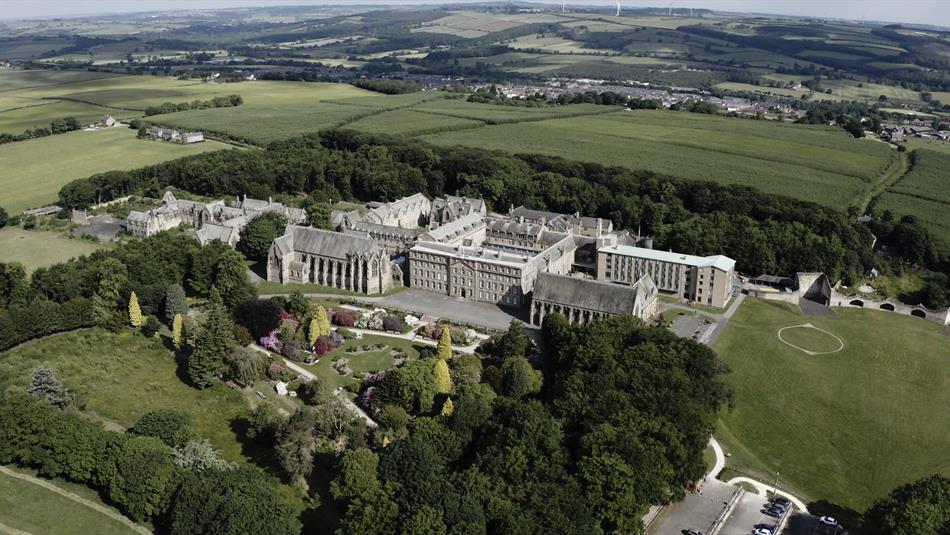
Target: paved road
[(696, 511), (747, 514)]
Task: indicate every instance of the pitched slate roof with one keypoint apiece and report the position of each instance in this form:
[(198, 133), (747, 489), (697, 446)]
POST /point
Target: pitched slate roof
[(325, 243), (454, 229), (591, 295)]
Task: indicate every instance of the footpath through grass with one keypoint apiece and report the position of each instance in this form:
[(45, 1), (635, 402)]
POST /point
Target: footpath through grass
[(845, 427), (31, 508)]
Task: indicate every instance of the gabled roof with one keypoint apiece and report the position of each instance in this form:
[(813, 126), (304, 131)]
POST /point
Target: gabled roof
[(325, 243), (592, 295), (454, 229)]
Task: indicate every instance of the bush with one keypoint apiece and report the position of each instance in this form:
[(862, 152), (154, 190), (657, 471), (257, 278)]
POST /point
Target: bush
[(313, 392), (394, 324), (173, 427), (346, 334), (297, 350), (151, 327), (278, 372), (242, 335), (344, 318)]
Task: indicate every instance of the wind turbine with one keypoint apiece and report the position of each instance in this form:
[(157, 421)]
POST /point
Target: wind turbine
[(563, 7), (618, 8)]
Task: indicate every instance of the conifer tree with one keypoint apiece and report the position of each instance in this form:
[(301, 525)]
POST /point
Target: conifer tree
[(212, 345), (444, 349), (448, 408), (178, 335), (135, 312), (443, 380), (112, 275), (175, 302), (324, 321)]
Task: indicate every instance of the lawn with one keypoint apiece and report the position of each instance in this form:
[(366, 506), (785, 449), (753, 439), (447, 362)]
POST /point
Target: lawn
[(122, 376), (845, 427), (411, 123), (41, 248), (34, 171), (815, 163), (364, 362), (31, 508)]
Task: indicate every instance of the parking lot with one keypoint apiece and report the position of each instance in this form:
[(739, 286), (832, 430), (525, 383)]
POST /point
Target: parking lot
[(747, 515), (696, 511)]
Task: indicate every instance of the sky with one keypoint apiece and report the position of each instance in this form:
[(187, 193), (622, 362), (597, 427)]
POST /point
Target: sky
[(933, 12)]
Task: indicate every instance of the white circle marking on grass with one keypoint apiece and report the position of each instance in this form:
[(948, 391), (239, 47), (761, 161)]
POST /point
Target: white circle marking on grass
[(803, 350)]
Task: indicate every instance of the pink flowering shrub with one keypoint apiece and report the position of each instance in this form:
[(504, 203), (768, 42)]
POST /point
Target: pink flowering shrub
[(344, 318), (367, 398), (272, 341)]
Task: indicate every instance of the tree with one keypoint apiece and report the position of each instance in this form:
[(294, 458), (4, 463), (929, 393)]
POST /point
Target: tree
[(319, 325), (514, 343), (135, 313), (4, 217), (171, 426), (230, 502), (411, 387), (444, 349), (151, 326), (356, 478), (257, 236), (178, 334), (198, 456), (263, 424), (145, 477), (175, 302), (318, 216), (518, 378), (212, 344), (296, 445), (246, 366), (443, 381), (113, 276), (448, 408), (46, 387), (918, 508)]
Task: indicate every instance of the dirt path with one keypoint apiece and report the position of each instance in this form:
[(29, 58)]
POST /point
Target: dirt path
[(12, 531), (78, 499), (892, 176)]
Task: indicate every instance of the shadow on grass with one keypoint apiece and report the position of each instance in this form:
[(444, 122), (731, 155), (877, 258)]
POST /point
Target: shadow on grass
[(325, 518), (846, 516)]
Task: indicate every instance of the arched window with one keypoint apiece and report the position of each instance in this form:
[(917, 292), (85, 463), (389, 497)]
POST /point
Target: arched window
[(375, 268)]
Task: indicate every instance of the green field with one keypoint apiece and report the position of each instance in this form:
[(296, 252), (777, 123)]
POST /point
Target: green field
[(40, 248), (364, 362), (410, 122), (123, 376), (31, 508), (846, 427), (33, 171), (814, 163), (923, 192)]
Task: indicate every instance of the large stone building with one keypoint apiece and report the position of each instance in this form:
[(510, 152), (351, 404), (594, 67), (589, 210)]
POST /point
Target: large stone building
[(451, 207), (583, 300), (349, 262), (408, 212), (210, 221), (591, 227), (704, 279)]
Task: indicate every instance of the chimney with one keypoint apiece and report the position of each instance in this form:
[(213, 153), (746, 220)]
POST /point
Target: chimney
[(648, 243)]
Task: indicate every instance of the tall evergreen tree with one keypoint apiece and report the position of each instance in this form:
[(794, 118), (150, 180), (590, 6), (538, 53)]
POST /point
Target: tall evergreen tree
[(178, 334), (212, 345), (112, 275), (443, 380), (175, 302), (47, 387), (444, 349), (135, 312), (319, 325)]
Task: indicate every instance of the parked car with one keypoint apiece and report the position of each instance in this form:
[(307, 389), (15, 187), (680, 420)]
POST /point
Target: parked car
[(772, 513), (828, 521), (692, 532), (781, 499), (767, 527), (781, 506), (761, 532)]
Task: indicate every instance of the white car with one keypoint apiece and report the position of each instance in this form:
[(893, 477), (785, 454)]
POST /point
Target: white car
[(828, 521), (762, 531)]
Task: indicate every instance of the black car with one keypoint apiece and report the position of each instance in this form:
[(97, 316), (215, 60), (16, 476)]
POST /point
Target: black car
[(773, 513)]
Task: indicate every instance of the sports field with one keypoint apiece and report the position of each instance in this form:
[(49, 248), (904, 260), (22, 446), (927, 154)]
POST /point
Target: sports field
[(815, 163), (33, 171), (924, 192), (846, 426), (40, 248), (32, 506)]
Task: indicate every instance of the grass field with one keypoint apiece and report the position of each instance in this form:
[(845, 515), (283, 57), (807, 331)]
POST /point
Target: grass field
[(923, 192), (33, 171), (846, 427), (815, 163), (365, 362), (410, 122), (123, 376), (40, 248), (31, 508)]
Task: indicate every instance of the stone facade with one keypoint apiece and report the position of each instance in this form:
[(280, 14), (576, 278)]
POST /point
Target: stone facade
[(704, 279), (451, 207), (592, 227), (583, 300), (305, 254), (214, 220), (408, 212)]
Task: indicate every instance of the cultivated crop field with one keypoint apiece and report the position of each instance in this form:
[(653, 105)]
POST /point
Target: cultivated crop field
[(846, 427), (494, 114), (814, 163), (410, 122), (33, 171), (924, 192)]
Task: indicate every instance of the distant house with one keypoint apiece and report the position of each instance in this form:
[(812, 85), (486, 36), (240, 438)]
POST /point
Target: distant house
[(107, 120), (192, 137)]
